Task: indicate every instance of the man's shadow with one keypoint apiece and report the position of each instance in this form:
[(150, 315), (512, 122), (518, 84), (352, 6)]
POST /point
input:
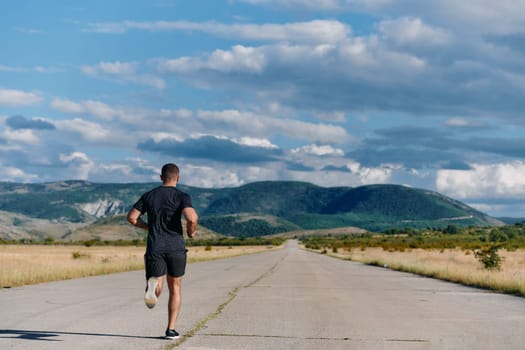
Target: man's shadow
[(49, 335)]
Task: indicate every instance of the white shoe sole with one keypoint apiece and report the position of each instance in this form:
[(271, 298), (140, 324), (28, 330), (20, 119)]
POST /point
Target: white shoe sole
[(151, 298)]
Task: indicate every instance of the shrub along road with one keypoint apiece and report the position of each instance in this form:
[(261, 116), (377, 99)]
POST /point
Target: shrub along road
[(282, 299)]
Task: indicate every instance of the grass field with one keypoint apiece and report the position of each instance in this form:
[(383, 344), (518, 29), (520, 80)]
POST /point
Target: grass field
[(453, 265), (31, 264)]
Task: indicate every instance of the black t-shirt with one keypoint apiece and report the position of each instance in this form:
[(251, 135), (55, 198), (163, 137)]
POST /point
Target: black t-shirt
[(164, 206)]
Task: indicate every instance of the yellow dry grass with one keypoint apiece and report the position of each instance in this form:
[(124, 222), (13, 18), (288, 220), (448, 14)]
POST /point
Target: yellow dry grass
[(452, 265), (31, 264)]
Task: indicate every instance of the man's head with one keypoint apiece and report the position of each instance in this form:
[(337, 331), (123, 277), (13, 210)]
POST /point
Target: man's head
[(169, 173)]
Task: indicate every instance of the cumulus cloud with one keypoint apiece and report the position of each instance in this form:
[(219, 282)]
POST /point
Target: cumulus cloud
[(124, 71), (212, 148), (319, 150), (425, 147), (351, 174), (313, 31), (216, 176), (24, 136), (78, 164), (255, 142), (15, 98), (116, 68), (96, 108), (418, 62), (472, 15), (90, 131), (232, 122), (9, 173), (412, 31), (503, 180), (356, 74), (17, 122), (239, 59)]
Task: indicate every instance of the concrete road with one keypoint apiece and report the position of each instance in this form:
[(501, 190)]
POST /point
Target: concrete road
[(281, 299)]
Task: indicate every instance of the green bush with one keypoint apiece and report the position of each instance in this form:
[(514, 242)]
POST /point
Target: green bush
[(489, 257), (78, 255)]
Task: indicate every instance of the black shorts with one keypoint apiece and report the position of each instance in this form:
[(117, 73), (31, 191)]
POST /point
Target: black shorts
[(160, 264)]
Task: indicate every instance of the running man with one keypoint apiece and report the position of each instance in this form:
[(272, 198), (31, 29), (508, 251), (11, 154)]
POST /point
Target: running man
[(166, 248)]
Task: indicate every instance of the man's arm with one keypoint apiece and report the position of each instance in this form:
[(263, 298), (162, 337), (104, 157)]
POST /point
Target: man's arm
[(191, 220), (135, 220)]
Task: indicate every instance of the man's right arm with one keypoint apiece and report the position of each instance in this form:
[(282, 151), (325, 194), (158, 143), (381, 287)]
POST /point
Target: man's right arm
[(191, 220)]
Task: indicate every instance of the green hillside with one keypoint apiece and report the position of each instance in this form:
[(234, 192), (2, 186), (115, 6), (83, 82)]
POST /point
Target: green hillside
[(273, 198), (303, 205), (254, 209)]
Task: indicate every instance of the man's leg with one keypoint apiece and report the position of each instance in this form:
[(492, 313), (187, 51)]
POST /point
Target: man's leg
[(174, 286), (159, 286)]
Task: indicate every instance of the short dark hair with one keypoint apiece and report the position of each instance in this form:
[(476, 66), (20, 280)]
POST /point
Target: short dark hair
[(169, 172)]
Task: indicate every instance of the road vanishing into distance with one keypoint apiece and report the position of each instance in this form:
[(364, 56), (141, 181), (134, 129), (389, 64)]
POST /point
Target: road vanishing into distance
[(281, 299)]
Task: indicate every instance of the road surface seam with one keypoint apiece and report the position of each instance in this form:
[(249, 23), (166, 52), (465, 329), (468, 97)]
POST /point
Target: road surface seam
[(271, 336), (310, 338), (231, 295)]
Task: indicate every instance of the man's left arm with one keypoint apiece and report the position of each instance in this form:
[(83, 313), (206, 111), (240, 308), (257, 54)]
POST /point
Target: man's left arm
[(135, 219)]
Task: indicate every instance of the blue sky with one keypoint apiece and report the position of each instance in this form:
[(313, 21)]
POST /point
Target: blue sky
[(427, 94)]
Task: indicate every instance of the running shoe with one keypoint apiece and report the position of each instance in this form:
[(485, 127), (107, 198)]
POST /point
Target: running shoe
[(172, 334), (151, 297)]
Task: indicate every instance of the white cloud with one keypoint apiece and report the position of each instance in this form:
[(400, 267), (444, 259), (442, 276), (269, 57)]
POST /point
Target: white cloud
[(322, 31), (504, 180), (9, 173), (248, 123), (359, 176), (319, 150), (287, 72), (239, 59), (412, 31), (124, 71), (11, 69), (75, 156), (116, 68), (95, 108), (101, 110), (90, 131), (255, 142), (67, 106), (78, 163), (207, 177), (15, 98), (503, 16), (26, 136), (368, 175)]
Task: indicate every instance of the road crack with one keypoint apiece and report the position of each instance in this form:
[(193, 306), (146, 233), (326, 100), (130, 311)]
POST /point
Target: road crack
[(273, 336), (231, 296)]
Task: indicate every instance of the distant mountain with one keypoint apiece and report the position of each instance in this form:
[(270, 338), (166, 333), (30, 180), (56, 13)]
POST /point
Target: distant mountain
[(78, 209), (306, 206), (511, 221)]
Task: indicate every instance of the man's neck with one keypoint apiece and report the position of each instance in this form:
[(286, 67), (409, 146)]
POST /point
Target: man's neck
[(170, 184)]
